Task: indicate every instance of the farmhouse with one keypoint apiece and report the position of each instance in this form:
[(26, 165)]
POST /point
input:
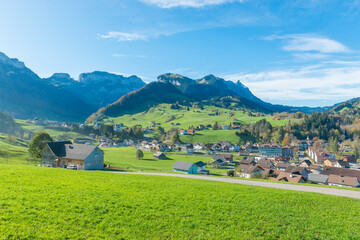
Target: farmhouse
[(65, 154), (159, 155), (218, 161), (185, 167)]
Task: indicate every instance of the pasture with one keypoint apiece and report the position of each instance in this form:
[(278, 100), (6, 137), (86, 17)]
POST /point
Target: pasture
[(124, 159), (164, 115), (46, 203)]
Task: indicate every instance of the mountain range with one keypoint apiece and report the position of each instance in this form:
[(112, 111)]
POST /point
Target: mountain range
[(60, 97), (25, 95)]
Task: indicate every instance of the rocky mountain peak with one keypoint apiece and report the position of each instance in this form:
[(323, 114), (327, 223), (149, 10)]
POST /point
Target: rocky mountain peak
[(11, 61)]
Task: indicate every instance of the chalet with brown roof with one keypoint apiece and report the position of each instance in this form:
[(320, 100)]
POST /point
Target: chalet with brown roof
[(343, 181), (282, 166), (265, 163), (342, 164), (314, 168), (305, 163), (288, 177), (330, 162), (228, 157), (282, 159), (341, 171), (297, 170), (247, 161), (249, 171), (349, 158)]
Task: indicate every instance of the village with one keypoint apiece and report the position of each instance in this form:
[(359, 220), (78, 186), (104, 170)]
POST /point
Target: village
[(307, 161)]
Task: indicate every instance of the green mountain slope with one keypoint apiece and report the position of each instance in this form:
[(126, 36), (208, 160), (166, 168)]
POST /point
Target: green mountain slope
[(141, 100)]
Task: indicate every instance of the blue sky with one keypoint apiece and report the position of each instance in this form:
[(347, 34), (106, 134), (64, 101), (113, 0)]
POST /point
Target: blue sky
[(287, 52)]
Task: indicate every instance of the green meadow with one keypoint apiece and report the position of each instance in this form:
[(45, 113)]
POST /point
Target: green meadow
[(163, 114), (14, 154), (47, 203), (124, 159), (211, 136), (54, 133)]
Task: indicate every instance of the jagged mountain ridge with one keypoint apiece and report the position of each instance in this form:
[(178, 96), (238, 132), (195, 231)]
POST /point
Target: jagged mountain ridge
[(25, 95), (97, 88), (208, 87)]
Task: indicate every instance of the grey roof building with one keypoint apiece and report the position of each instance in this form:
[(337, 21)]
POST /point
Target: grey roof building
[(318, 178), (185, 167), (65, 154)]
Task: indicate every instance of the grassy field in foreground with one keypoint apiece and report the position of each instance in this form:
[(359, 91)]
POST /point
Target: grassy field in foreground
[(46, 203), (125, 159), (162, 114)]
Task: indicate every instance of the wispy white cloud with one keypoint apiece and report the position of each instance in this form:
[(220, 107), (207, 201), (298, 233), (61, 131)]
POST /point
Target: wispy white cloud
[(309, 43), (123, 36), (187, 3), (317, 83)]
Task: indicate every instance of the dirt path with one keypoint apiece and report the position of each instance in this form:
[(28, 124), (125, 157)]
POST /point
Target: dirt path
[(303, 188)]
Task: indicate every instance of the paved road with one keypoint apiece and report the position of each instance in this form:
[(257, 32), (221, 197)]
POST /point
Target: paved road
[(303, 188)]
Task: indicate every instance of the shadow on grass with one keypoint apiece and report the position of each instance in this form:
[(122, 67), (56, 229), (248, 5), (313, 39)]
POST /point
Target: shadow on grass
[(115, 170), (148, 159)]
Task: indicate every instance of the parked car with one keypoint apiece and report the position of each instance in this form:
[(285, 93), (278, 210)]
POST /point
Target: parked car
[(73, 167)]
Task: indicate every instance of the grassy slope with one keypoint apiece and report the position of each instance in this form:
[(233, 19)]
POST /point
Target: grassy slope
[(54, 133), (161, 114), (17, 154), (125, 159), (211, 136), (37, 203)]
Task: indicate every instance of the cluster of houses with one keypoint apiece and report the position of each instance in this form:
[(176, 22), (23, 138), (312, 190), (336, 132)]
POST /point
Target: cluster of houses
[(280, 169), (218, 161), (51, 124), (191, 131)]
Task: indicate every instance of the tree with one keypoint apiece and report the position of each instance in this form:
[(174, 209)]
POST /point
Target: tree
[(216, 126), (231, 173), (37, 144), (139, 154), (175, 137), (296, 154), (333, 144)]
